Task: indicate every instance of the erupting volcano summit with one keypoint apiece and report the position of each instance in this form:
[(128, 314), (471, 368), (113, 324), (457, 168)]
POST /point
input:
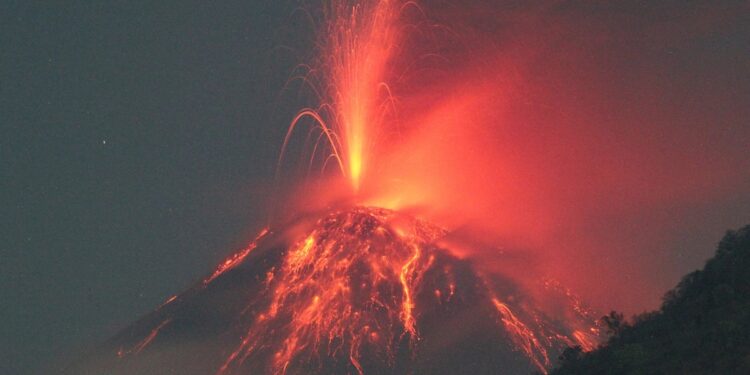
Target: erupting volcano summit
[(354, 289), (364, 290)]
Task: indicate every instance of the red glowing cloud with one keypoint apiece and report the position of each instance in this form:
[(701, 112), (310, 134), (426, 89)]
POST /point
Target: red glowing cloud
[(575, 133)]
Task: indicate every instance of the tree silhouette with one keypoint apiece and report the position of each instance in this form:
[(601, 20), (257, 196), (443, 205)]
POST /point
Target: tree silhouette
[(615, 322), (703, 326)]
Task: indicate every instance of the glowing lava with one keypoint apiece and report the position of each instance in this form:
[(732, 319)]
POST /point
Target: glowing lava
[(350, 296), (234, 259), (138, 347), (362, 290), (348, 285), (350, 82)]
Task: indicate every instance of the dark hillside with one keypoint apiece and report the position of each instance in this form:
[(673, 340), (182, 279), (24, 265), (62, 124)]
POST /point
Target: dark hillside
[(703, 326)]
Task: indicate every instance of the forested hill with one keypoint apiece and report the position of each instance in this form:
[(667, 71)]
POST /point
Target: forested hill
[(703, 326)]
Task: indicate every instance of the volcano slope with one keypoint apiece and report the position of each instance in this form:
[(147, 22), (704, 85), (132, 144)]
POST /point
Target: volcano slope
[(358, 291)]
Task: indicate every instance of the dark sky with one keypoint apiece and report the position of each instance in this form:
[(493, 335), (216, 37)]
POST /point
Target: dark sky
[(133, 141), (138, 143)]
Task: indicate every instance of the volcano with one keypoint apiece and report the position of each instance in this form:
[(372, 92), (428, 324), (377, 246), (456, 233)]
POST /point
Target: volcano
[(355, 291)]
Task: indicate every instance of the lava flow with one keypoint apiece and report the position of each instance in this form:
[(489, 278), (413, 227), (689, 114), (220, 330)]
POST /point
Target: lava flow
[(360, 290)]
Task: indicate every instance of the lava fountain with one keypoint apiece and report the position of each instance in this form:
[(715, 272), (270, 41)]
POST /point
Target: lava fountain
[(354, 288), (349, 81)]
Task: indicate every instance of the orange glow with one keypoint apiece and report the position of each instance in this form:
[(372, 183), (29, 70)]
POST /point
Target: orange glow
[(138, 347), (498, 137), (522, 336), (355, 165), (353, 285), (587, 341), (235, 258), (314, 289), (350, 82), (405, 276), (358, 286), (168, 301), (442, 166)]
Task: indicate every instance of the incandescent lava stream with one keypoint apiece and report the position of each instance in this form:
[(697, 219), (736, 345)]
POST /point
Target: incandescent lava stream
[(358, 291)]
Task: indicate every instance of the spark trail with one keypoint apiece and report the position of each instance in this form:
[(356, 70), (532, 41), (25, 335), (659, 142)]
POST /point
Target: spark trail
[(350, 82)]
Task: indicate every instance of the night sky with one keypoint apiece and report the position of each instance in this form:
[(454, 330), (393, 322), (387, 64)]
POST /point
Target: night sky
[(138, 145)]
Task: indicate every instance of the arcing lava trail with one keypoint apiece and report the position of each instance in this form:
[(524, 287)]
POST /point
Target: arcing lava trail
[(349, 83), (363, 290)]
